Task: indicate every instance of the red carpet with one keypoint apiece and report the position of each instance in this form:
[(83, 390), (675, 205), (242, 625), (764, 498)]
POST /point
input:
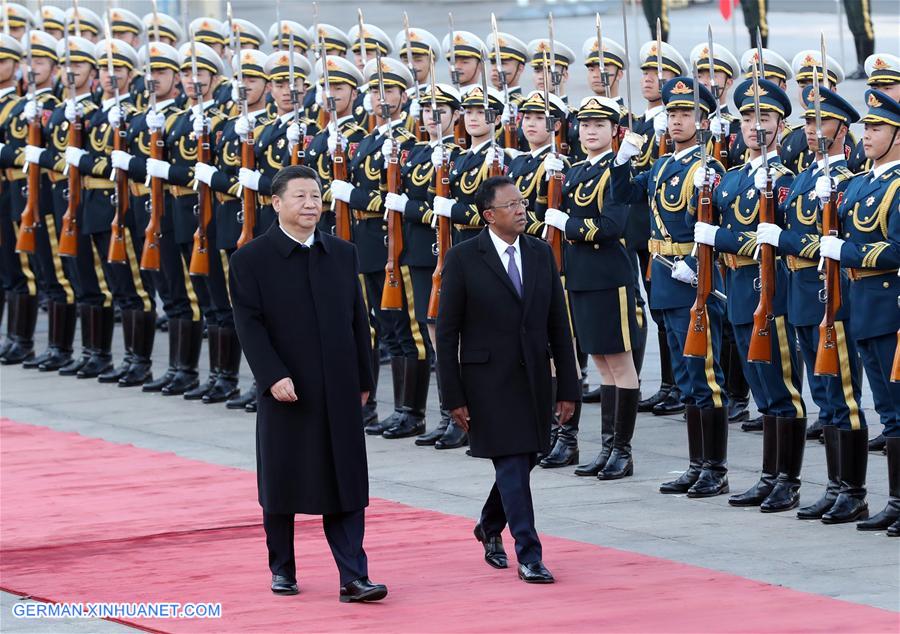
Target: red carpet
[(88, 520)]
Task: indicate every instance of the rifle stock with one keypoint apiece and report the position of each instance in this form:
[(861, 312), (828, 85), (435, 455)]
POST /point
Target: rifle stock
[(248, 196), (827, 362), (697, 341), (29, 218), (720, 150), (117, 252), (200, 255), (760, 350), (68, 237), (150, 254), (392, 293), (510, 135), (895, 369), (442, 188), (341, 209), (554, 200)]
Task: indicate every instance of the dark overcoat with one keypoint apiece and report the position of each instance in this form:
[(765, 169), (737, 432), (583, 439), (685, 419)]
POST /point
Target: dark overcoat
[(299, 313), (494, 348)]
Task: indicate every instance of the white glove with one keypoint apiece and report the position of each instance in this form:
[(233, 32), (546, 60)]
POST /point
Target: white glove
[(830, 247), (660, 123), (437, 156), (627, 150), (553, 163), (31, 110), (204, 172), (73, 155), (767, 233), (396, 202), (682, 272), (320, 96), (505, 116), (556, 218), (367, 104), (332, 142), (198, 121), (717, 126), (158, 169), (703, 176), (249, 178), (491, 151), (120, 160), (242, 126), (155, 121), (443, 206), (705, 233), (33, 153), (387, 147), (415, 109), (235, 92), (293, 133), (760, 179), (114, 116), (341, 190), (823, 188)]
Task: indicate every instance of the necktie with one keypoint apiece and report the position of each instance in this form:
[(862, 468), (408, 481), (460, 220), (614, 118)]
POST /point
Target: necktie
[(513, 271)]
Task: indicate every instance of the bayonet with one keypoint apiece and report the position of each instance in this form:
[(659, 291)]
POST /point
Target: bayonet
[(278, 21), (714, 87), (76, 17), (555, 77), (759, 55), (601, 57), (5, 17), (385, 107), (627, 61), (659, 64), (362, 38), (155, 23), (454, 74)]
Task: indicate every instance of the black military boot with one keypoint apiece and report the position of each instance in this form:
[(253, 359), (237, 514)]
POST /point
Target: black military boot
[(241, 400), (24, 308), (156, 385), (713, 478), (668, 380), (76, 363), (188, 341), (226, 385), (815, 511), (877, 444), (114, 374), (378, 427), (791, 443), (36, 360), (754, 424), (850, 504), (621, 464), (891, 512), (101, 321), (8, 298), (417, 375), (686, 480), (607, 432), (428, 439), (755, 495), (213, 350), (814, 431), (565, 448), (62, 320), (140, 370)]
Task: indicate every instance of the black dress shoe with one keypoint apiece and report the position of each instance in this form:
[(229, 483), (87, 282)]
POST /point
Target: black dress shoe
[(755, 424), (535, 572), (671, 405), (494, 553), (877, 444), (408, 427), (814, 431), (430, 438), (284, 585), (647, 404), (737, 410), (592, 396), (362, 590), (453, 438)]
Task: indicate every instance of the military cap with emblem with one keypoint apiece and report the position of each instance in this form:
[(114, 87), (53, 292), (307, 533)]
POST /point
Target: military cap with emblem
[(278, 66), (290, 30), (340, 71), (882, 109), (374, 37), (88, 21), (253, 63), (123, 54), (613, 52), (123, 21), (539, 52), (334, 38), (42, 45), (394, 72), (81, 49), (774, 65), (251, 36), (723, 59), (465, 44), (207, 58), (595, 107), (208, 31), (771, 97), (831, 105), (53, 18), (511, 47), (678, 93), (167, 25), (473, 97), (534, 102), (805, 62), (882, 68), (422, 41), (18, 16), (671, 59), (10, 47), (443, 94), (162, 56)]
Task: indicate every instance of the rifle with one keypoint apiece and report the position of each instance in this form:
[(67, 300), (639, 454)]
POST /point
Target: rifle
[(670, 264), (827, 361), (441, 188), (554, 187), (460, 136), (68, 238), (421, 131), (297, 150), (392, 293), (556, 78), (322, 116), (666, 140), (760, 350), (200, 254), (510, 132), (604, 74), (895, 368), (720, 145), (117, 252), (490, 117), (25, 242), (363, 51), (339, 158), (696, 343), (248, 154), (627, 62), (156, 203)]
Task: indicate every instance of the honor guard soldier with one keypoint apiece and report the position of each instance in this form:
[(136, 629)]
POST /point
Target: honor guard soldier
[(214, 34), (12, 274), (53, 20), (838, 397), (658, 64), (33, 109), (364, 191), (513, 57), (293, 32), (775, 383), (249, 35), (424, 48), (883, 71), (613, 66), (344, 82), (170, 32), (773, 68), (603, 307), (374, 38), (670, 186), (465, 54), (539, 52), (18, 18), (795, 154), (163, 64), (418, 259), (869, 249), (336, 41), (85, 21), (129, 28)]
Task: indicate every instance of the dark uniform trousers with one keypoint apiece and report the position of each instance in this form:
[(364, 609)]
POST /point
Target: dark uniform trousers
[(15, 269), (756, 14), (188, 300), (509, 502), (859, 19), (48, 264), (657, 9)]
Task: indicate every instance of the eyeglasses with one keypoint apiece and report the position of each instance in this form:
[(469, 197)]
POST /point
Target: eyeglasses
[(522, 202)]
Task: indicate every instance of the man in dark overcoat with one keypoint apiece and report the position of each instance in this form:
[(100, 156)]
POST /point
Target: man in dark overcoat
[(502, 319), (302, 323)]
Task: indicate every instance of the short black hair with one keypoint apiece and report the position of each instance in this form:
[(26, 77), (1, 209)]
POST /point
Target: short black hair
[(286, 174), (484, 197)]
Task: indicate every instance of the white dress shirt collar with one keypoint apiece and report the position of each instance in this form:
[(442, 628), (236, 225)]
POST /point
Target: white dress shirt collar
[(597, 158), (6, 91), (881, 169), (307, 243), (537, 152), (501, 246), (652, 112), (682, 153)]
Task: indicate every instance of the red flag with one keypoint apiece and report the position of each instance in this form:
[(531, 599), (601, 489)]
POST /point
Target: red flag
[(726, 6)]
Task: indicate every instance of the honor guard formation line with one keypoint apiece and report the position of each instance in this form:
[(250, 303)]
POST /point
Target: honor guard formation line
[(138, 154)]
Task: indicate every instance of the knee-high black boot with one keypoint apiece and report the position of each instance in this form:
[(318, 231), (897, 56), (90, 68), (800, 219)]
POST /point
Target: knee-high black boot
[(398, 367), (608, 396), (416, 378), (713, 478), (755, 495), (226, 383), (686, 480), (815, 511), (76, 363), (215, 362), (188, 342), (24, 309), (63, 318), (891, 512), (139, 372), (565, 449), (850, 504), (128, 323), (101, 322), (791, 443), (667, 379), (430, 438), (621, 464)]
